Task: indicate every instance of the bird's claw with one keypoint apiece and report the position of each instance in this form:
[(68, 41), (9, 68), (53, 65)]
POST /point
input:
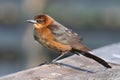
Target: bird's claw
[(49, 62)]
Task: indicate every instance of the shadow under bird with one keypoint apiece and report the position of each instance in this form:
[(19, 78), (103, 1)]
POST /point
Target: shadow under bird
[(55, 36)]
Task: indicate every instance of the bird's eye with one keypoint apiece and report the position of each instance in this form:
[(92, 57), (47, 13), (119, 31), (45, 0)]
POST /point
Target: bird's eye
[(40, 20)]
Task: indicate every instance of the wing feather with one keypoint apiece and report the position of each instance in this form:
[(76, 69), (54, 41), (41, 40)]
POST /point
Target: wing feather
[(63, 34)]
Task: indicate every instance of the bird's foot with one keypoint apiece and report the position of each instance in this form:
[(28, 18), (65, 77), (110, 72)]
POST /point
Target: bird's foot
[(49, 62)]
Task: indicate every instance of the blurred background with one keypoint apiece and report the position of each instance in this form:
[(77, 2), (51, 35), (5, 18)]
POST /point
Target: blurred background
[(97, 21)]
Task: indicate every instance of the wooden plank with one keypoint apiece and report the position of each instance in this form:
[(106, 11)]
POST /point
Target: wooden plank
[(71, 68)]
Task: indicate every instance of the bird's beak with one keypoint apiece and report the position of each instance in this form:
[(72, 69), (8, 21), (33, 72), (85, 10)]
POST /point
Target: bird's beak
[(32, 21)]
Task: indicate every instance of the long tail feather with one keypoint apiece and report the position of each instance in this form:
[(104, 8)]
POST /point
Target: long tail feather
[(99, 60)]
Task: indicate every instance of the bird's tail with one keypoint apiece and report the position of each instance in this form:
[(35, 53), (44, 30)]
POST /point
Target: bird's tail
[(99, 60)]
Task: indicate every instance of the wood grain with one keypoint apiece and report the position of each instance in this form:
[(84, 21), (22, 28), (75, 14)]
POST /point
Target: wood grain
[(71, 68)]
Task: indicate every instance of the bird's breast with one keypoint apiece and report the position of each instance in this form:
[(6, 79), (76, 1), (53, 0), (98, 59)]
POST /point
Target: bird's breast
[(43, 36), (47, 39)]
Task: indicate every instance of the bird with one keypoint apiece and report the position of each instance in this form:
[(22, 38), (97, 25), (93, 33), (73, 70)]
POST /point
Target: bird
[(53, 35)]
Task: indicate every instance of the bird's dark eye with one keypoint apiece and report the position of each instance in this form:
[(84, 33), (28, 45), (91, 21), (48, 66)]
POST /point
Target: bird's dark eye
[(40, 20)]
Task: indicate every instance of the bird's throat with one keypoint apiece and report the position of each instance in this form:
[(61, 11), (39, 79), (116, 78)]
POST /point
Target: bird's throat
[(38, 26)]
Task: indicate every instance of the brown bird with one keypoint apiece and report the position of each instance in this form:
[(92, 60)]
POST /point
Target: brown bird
[(54, 35)]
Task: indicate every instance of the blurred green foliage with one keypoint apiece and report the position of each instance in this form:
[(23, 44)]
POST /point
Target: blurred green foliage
[(86, 13)]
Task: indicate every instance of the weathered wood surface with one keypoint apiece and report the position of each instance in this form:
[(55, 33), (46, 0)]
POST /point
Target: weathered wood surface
[(71, 68)]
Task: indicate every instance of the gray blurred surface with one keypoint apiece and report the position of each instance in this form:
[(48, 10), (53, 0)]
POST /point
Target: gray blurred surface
[(110, 53)]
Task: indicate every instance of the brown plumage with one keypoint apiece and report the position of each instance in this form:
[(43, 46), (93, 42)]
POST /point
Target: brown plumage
[(53, 35)]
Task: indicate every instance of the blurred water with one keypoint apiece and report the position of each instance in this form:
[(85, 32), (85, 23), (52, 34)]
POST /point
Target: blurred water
[(96, 38), (12, 57)]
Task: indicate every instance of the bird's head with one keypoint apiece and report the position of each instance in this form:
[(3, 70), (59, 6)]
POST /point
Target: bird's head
[(41, 21)]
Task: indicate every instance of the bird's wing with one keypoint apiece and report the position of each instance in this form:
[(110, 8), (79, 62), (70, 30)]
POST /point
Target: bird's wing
[(63, 34), (67, 36)]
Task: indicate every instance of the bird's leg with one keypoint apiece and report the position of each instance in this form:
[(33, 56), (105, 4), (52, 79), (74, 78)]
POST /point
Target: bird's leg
[(54, 60), (61, 54)]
